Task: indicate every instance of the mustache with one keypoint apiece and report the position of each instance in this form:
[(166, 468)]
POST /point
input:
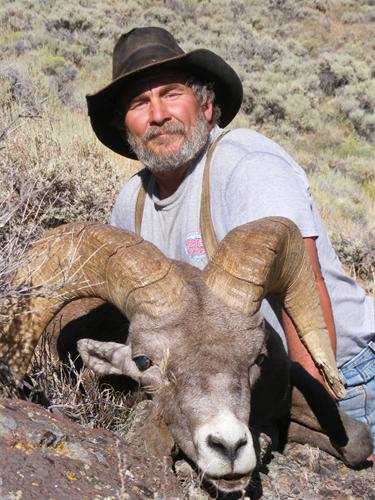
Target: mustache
[(168, 128)]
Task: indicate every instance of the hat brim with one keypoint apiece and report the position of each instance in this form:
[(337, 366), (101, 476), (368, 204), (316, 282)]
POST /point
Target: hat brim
[(202, 63)]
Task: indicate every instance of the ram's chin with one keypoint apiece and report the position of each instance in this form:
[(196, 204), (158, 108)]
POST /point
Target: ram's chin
[(230, 484)]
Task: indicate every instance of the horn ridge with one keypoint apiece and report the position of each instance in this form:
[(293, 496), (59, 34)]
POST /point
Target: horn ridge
[(269, 256), (84, 260)]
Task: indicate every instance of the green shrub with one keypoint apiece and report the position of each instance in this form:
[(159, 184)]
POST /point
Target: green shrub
[(357, 102)]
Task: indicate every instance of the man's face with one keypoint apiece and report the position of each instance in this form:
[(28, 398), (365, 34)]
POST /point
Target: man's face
[(166, 125)]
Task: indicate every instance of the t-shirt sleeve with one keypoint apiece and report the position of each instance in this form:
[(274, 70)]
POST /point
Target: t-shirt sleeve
[(264, 184), (116, 218)]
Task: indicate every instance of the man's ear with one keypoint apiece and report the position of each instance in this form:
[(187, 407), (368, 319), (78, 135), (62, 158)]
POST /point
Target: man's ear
[(208, 110), (108, 358)]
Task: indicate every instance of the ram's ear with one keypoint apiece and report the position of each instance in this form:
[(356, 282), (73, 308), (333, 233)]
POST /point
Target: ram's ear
[(108, 358)]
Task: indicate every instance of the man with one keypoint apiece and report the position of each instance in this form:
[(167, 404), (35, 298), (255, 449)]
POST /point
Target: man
[(164, 107)]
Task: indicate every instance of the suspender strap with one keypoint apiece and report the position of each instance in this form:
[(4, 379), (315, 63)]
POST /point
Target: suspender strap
[(206, 225), (205, 221), (141, 198)]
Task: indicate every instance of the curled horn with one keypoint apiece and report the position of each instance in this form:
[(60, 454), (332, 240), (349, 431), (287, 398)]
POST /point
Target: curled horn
[(269, 256), (85, 260)]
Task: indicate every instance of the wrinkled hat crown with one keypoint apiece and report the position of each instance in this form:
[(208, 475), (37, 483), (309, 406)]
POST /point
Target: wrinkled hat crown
[(141, 47)]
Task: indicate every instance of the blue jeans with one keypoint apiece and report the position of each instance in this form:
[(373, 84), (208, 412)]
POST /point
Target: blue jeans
[(359, 373)]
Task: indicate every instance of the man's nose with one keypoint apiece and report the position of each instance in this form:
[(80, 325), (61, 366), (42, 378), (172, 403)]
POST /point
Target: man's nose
[(158, 112)]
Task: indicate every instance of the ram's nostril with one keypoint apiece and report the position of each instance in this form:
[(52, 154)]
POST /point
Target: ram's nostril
[(241, 442), (229, 450), (216, 443)]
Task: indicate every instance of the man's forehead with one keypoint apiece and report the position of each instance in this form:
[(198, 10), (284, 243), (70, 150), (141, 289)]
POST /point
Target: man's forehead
[(150, 81)]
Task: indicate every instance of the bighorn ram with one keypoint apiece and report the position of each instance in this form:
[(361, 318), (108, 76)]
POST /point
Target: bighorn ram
[(195, 340)]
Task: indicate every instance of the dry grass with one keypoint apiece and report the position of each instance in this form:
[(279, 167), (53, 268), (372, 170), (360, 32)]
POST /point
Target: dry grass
[(75, 394), (52, 172)]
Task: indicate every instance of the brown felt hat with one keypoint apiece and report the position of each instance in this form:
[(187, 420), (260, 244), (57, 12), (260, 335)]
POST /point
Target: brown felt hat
[(141, 51)]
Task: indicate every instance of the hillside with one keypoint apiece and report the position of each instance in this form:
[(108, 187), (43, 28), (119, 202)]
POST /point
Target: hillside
[(308, 71)]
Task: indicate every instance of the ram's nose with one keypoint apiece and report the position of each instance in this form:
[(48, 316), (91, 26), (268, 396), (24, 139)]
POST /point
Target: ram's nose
[(225, 446)]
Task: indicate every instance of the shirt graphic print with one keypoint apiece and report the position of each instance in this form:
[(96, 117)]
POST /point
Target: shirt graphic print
[(195, 250)]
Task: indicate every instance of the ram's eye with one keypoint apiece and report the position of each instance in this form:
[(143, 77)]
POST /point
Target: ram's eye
[(260, 359), (142, 362)]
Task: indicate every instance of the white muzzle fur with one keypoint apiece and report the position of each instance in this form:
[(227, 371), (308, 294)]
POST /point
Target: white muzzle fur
[(225, 447)]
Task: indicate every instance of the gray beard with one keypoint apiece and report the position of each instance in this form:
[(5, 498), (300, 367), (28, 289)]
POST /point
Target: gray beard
[(193, 144)]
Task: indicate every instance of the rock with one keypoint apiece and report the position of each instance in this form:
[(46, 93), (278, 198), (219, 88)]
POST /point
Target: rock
[(309, 473), (47, 456), (184, 471)]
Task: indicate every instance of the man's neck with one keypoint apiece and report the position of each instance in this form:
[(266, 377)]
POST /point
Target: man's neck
[(168, 182)]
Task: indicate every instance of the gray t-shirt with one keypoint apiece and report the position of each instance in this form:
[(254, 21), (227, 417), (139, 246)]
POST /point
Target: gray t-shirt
[(251, 177)]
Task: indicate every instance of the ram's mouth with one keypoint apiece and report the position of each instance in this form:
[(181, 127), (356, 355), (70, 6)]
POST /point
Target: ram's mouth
[(230, 483)]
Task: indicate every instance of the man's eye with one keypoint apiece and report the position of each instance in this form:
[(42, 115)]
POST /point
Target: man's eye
[(172, 95), (137, 105), (142, 362)]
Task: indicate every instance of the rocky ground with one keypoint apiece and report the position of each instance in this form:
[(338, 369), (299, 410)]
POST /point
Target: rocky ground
[(46, 456)]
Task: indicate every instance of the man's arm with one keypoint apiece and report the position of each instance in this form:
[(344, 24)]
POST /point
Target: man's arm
[(297, 351), (266, 184)]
